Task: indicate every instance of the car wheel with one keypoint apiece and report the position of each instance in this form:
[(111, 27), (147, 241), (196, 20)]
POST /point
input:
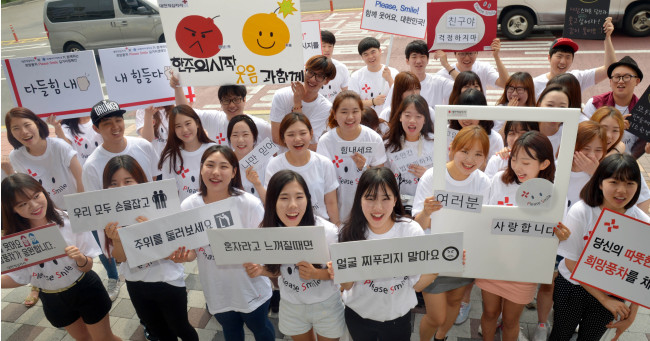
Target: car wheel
[(637, 20), (161, 39), (73, 47), (517, 24)]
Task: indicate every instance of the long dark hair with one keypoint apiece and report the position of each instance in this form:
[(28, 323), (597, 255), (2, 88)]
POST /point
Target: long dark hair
[(249, 122), (234, 187), (15, 186), (157, 120), (172, 148), (21, 112), (404, 81), (526, 81), (343, 95), (538, 147), (73, 125), (622, 167), (472, 97), (371, 183), (396, 130), (464, 78)]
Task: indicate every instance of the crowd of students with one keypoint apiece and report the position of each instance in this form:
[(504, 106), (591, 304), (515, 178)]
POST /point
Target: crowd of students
[(360, 197)]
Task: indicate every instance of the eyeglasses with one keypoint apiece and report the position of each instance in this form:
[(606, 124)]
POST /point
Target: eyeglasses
[(235, 100), (520, 89), (626, 78), (465, 54), (318, 76)]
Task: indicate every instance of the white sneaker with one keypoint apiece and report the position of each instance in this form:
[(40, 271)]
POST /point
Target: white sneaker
[(541, 332), (113, 288), (521, 336), (463, 314)]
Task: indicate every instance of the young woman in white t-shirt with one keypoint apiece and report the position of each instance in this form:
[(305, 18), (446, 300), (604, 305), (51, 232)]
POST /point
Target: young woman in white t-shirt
[(72, 294), (512, 130), (310, 301), (186, 143), (157, 289), (614, 123), (242, 136), (406, 84), (519, 91), (79, 133), (615, 185), (377, 213), (231, 296), (295, 134), (411, 129), (345, 125), (152, 124), (554, 96)]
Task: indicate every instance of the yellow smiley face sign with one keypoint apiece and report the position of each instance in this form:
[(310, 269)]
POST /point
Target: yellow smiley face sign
[(265, 34)]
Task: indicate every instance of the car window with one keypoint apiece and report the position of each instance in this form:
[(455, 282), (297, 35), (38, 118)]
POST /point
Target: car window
[(76, 10), (131, 7)]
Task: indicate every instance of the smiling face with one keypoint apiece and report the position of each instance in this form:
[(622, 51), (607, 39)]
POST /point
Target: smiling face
[(348, 114), (514, 93), (32, 206), (233, 105), (467, 160), (297, 137), (417, 63), (560, 62), (372, 58), (513, 134), (412, 122), (622, 88), (265, 34), (185, 128), (613, 130), (216, 173), (198, 36), (111, 129), (555, 99), (327, 49), (25, 131), (465, 60), (122, 178), (593, 149), (377, 209), (526, 167), (617, 193), (291, 204), (467, 123), (242, 140)]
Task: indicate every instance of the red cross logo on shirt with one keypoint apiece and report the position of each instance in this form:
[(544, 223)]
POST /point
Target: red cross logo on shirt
[(220, 138), (524, 194), (182, 172), (78, 140), (337, 161), (365, 88), (505, 202), (29, 171), (588, 235), (611, 225), (185, 1)]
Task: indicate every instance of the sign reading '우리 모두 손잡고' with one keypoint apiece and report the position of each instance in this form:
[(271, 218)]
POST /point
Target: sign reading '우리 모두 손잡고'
[(585, 19), (31, 247), (640, 119), (461, 25)]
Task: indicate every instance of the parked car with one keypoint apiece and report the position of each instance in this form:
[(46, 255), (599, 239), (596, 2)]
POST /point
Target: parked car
[(75, 25), (518, 17)]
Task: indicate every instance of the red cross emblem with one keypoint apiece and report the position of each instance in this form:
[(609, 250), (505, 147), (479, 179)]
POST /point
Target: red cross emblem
[(611, 225), (588, 235), (78, 140), (365, 88), (337, 161), (30, 172), (182, 172), (505, 202), (220, 138), (524, 194)]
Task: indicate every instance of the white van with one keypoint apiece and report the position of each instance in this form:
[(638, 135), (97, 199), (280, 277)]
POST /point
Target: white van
[(75, 25)]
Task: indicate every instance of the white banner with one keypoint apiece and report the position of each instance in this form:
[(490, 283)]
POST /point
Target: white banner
[(402, 17), (90, 211), (63, 84), (616, 258), (261, 154), (311, 42), (157, 239), (280, 245), (31, 247), (372, 259), (138, 76)]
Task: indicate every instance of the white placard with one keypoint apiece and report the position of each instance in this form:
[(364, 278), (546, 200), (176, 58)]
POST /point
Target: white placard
[(458, 38), (402, 17), (214, 42), (311, 42), (466, 202), (280, 245), (402, 159), (157, 239), (63, 84), (513, 262), (349, 148), (138, 76), (372, 259), (90, 211), (261, 154), (523, 228), (31, 247), (616, 258), (461, 21)]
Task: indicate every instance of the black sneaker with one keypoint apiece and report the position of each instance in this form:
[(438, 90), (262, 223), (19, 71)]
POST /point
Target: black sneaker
[(148, 335)]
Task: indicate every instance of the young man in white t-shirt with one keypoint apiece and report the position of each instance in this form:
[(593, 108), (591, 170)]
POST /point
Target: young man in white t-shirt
[(466, 61), (373, 81), (342, 79), (560, 58)]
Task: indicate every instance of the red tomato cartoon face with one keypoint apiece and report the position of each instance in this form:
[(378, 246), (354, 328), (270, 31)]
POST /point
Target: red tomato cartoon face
[(198, 36)]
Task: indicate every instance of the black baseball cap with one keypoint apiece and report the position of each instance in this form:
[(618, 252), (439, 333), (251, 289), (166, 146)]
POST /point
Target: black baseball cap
[(104, 109), (626, 61)]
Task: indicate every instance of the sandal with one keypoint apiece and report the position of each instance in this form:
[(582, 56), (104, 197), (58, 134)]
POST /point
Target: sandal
[(32, 298)]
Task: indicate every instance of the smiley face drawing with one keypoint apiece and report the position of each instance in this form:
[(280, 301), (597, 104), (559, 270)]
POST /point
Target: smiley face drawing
[(265, 34), (198, 36)]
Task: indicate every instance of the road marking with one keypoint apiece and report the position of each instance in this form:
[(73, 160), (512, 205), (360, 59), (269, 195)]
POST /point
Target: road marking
[(22, 41)]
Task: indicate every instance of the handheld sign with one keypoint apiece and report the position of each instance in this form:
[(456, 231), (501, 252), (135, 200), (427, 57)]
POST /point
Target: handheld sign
[(279, 245), (65, 84), (349, 148), (459, 201), (90, 211), (640, 119), (585, 19), (138, 76), (461, 25), (260, 155), (311, 42), (372, 259), (615, 259), (157, 239), (213, 42), (402, 17), (31, 247)]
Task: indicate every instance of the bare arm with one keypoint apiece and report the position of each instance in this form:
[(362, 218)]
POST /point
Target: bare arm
[(147, 129), (58, 129), (610, 54), (9, 283), (501, 68), (179, 95), (275, 133), (424, 282), (75, 168), (332, 206)]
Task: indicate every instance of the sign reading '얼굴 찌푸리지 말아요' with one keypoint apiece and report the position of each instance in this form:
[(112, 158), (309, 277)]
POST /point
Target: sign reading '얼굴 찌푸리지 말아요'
[(585, 19)]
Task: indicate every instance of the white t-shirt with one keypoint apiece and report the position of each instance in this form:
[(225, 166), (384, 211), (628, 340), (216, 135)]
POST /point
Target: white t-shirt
[(215, 123), (434, 88), (228, 287), (61, 272), (319, 173), (187, 177), (581, 220), (628, 139), (370, 84), (139, 148), (487, 73), (317, 111), (261, 174), (555, 140), (502, 194), (84, 144), (296, 290), (587, 79), (159, 142), (495, 164), (386, 114), (52, 169), (406, 181), (346, 171), (333, 87), (496, 141), (385, 299), (577, 181)]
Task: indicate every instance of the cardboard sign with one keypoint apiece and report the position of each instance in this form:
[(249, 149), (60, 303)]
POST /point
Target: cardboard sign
[(214, 42), (372, 259), (90, 211), (31, 247), (138, 76), (401, 17), (311, 42), (519, 258), (616, 258), (65, 84), (349, 148), (404, 158), (466, 202), (261, 154), (280, 245), (585, 19), (523, 228), (157, 239), (640, 119), (461, 25)]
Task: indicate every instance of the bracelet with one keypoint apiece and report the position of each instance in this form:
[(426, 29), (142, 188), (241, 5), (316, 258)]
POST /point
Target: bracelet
[(372, 100), (86, 263), (451, 70), (297, 108)]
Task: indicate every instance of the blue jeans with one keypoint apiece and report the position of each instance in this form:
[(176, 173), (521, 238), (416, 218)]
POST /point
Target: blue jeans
[(257, 321), (109, 264)]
